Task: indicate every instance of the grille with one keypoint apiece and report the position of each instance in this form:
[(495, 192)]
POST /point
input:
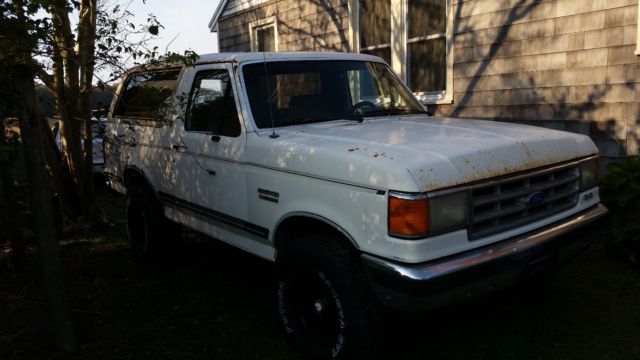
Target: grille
[(519, 200)]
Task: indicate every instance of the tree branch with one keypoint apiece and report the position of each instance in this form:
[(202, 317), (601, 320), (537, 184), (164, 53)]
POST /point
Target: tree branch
[(46, 78)]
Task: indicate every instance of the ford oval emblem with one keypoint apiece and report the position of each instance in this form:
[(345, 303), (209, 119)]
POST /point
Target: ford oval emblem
[(535, 198)]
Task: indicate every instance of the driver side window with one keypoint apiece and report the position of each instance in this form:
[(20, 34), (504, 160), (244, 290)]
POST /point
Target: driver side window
[(212, 106)]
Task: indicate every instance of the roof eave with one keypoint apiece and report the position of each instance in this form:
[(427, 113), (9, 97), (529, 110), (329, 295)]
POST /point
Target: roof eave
[(213, 23)]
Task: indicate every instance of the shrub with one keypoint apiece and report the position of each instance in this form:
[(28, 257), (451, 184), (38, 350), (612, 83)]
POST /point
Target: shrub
[(620, 190)]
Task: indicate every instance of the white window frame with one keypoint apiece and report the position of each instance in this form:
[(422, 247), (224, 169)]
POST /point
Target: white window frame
[(261, 24), (399, 58), (637, 52)]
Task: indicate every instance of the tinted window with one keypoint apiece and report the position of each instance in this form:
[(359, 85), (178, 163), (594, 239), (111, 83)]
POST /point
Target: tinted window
[(299, 92), (212, 105), (146, 95)]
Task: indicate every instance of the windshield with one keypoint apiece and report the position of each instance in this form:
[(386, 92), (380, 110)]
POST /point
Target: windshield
[(298, 92)]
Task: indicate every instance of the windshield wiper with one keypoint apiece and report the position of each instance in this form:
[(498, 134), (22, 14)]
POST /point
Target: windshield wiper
[(304, 120), (314, 119), (357, 118), (393, 111)]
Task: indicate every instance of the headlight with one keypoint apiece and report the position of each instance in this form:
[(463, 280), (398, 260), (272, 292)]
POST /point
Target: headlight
[(589, 174), (414, 216), (449, 212)]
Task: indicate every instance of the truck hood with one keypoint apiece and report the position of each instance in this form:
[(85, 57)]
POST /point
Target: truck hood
[(417, 153)]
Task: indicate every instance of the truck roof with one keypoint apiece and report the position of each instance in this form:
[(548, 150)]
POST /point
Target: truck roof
[(239, 57)]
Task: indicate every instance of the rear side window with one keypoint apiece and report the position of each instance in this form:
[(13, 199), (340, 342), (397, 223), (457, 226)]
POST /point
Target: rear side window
[(212, 106), (146, 95)]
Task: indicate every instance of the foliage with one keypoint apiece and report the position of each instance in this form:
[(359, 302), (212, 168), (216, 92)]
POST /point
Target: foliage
[(120, 40), (621, 193), (64, 43)]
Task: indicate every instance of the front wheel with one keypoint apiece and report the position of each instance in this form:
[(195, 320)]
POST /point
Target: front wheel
[(324, 302)]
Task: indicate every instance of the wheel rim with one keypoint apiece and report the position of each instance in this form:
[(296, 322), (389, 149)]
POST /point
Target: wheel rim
[(316, 306)]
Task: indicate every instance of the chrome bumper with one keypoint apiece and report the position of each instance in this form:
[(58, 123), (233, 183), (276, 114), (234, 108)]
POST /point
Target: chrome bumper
[(488, 268)]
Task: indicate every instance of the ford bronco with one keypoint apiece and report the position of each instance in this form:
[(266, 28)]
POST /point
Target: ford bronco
[(328, 166)]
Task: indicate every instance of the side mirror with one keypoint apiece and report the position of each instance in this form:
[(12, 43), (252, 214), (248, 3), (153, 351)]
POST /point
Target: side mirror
[(431, 109)]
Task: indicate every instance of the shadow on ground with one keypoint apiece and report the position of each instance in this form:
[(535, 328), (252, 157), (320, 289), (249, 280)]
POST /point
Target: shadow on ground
[(210, 301)]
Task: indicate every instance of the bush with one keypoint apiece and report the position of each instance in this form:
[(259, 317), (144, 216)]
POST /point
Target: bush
[(620, 190)]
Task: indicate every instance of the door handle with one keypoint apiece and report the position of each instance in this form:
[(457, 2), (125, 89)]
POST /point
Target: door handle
[(178, 147), (211, 171)]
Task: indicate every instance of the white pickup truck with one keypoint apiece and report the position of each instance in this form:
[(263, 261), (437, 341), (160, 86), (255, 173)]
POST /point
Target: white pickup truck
[(327, 165)]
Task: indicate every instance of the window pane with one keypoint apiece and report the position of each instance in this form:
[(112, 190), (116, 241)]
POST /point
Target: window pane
[(266, 38), (375, 22), (146, 95), (428, 65), (314, 91), (426, 17), (385, 54), (212, 105), (290, 85)]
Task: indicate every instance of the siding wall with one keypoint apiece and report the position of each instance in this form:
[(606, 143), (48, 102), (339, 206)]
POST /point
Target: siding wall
[(305, 25), (564, 64)]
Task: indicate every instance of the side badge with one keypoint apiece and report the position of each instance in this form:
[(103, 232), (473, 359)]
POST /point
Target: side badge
[(268, 195)]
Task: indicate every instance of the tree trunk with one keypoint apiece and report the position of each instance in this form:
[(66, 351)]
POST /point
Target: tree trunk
[(53, 159), (18, 249), (66, 88), (40, 204), (86, 60)]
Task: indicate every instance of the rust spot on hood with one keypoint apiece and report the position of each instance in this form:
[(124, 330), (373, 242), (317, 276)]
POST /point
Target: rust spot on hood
[(485, 175)]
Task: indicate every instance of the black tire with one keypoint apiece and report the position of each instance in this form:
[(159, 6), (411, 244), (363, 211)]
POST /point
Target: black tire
[(149, 232), (323, 300)]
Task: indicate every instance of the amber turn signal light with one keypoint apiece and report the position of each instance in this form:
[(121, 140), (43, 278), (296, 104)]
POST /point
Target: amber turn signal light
[(408, 217)]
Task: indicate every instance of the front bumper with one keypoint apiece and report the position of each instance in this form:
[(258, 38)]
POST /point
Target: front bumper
[(421, 287)]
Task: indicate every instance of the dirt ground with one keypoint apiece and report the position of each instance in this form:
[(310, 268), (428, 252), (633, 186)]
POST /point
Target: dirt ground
[(210, 301)]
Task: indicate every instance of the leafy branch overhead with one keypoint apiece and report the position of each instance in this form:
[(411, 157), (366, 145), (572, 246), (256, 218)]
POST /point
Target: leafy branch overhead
[(121, 43)]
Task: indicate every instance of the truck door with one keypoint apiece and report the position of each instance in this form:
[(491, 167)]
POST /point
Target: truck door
[(208, 176)]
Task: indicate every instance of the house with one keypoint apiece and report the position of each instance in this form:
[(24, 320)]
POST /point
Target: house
[(564, 64)]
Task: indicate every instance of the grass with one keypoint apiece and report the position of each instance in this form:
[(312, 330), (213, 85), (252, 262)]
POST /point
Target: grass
[(210, 301)]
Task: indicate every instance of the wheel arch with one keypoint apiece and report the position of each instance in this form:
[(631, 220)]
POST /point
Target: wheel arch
[(133, 176), (297, 222)]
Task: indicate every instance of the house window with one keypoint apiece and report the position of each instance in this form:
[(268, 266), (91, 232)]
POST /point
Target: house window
[(375, 22), (414, 37), (264, 35), (426, 46)]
